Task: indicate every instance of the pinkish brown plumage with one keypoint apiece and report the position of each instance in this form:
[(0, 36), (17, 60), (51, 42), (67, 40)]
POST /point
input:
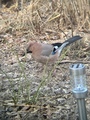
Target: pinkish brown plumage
[(44, 53)]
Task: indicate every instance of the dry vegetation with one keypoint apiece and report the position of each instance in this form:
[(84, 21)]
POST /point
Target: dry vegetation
[(40, 16), (27, 93)]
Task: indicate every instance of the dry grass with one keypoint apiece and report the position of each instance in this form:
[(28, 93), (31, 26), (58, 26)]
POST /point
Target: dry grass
[(40, 16)]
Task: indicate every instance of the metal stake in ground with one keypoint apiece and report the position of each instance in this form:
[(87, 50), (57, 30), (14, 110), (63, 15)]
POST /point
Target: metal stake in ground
[(79, 88)]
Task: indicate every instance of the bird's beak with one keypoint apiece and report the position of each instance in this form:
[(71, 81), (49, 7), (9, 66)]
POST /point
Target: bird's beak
[(28, 51)]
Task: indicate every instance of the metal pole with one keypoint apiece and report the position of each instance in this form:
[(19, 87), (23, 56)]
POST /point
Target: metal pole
[(79, 88), (82, 109)]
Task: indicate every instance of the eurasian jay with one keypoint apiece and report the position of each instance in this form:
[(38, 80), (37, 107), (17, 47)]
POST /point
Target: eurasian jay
[(48, 53)]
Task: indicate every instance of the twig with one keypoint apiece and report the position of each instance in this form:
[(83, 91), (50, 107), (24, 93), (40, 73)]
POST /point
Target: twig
[(74, 61)]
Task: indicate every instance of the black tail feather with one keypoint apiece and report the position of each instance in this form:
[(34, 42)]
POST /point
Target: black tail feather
[(70, 40), (73, 39), (57, 44)]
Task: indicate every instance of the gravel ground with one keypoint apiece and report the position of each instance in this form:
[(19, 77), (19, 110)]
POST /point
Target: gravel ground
[(28, 92)]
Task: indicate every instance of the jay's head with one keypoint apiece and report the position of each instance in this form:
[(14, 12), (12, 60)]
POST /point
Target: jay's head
[(30, 47)]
